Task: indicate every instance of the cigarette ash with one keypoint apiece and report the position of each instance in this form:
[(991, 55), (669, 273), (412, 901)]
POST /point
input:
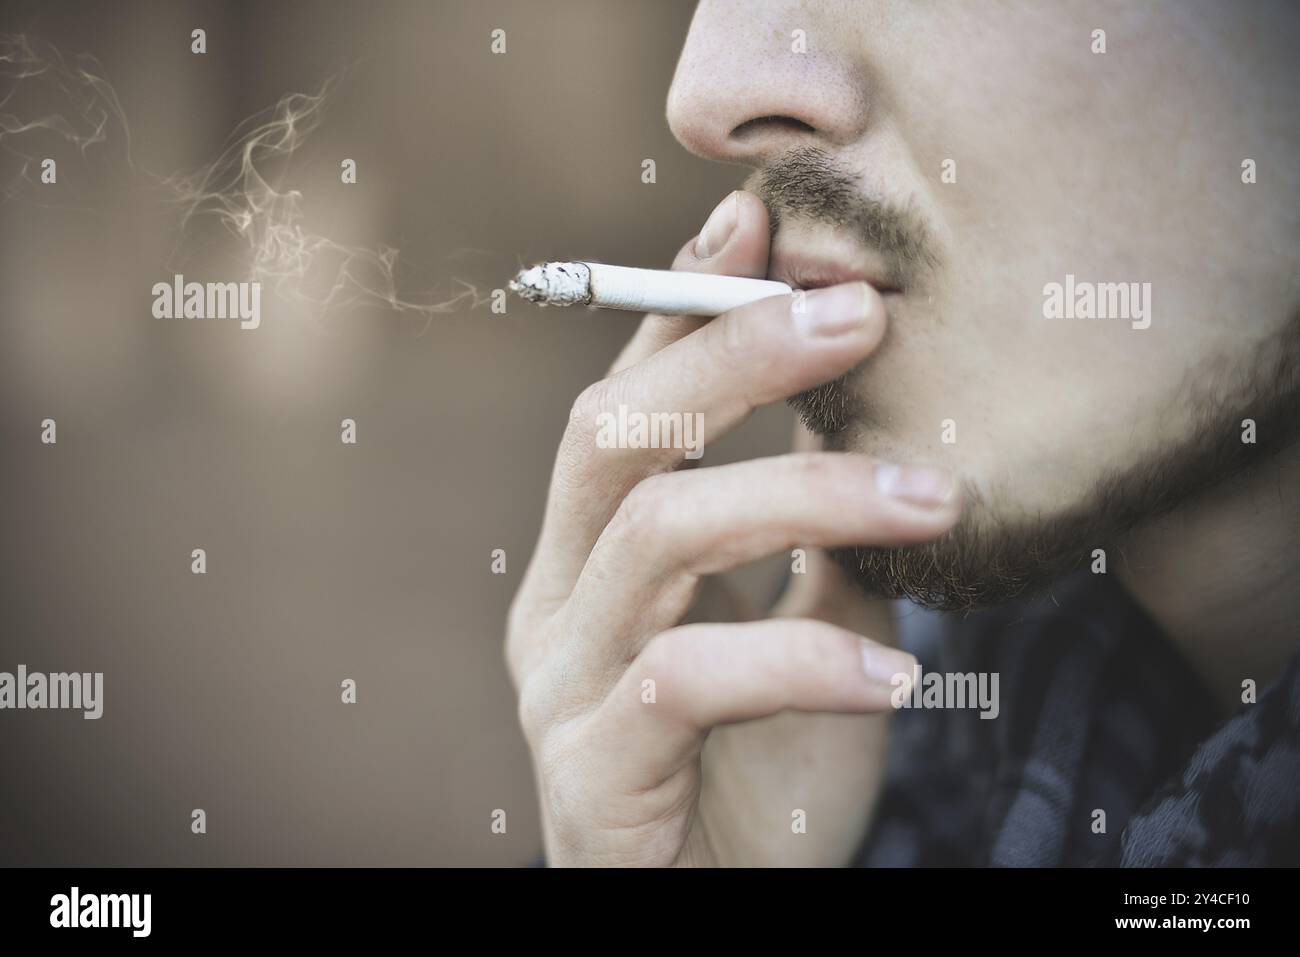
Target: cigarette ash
[(554, 284)]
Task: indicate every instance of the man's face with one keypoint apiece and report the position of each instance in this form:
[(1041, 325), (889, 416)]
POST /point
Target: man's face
[(972, 155)]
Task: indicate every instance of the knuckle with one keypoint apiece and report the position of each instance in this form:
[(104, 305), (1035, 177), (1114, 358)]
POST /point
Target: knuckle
[(671, 660), (804, 647), (533, 710), (821, 642), (516, 616), (811, 467), (749, 339), (576, 461), (596, 398), (662, 655), (521, 621), (589, 402), (514, 657), (645, 510), (735, 337)]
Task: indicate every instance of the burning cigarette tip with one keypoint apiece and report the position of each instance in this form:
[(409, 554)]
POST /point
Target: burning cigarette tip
[(554, 284)]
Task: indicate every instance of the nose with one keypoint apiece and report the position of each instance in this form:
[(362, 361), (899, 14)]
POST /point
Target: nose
[(757, 79)]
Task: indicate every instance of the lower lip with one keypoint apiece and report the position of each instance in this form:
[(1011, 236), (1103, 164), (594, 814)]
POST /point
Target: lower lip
[(821, 282), (884, 293)]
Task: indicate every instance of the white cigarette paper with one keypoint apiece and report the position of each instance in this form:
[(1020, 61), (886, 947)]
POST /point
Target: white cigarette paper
[(640, 290)]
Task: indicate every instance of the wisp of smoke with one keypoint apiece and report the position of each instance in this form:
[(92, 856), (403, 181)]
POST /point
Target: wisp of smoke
[(240, 189), (89, 105), (302, 266)]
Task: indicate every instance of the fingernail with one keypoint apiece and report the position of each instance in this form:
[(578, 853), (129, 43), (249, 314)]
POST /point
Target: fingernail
[(718, 228), (885, 665), (919, 485), (834, 310)]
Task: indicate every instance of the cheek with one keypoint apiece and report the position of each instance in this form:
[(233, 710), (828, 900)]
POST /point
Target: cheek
[(1033, 411)]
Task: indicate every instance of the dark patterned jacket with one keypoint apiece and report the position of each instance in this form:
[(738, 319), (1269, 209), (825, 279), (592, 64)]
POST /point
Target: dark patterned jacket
[(1097, 713)]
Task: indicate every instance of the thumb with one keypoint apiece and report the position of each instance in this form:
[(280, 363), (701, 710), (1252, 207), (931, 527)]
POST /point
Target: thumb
[(735, 240)]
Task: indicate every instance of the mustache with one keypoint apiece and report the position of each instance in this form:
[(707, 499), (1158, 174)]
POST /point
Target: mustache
[(806, 184)]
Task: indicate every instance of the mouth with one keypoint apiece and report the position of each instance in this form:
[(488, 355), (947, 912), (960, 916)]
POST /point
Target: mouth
[(807, 260), (818, 276)]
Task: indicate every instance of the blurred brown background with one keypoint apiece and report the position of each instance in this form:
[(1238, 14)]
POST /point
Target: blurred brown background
[(325, 561)]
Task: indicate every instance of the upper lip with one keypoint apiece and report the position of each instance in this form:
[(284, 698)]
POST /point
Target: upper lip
[(810, 260)]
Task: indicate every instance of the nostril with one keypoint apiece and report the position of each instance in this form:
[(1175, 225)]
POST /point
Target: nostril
[(763, 124)]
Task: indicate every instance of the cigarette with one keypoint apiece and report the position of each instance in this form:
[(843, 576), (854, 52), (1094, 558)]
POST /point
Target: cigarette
[(640, 290)]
